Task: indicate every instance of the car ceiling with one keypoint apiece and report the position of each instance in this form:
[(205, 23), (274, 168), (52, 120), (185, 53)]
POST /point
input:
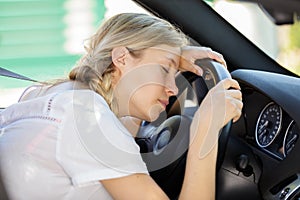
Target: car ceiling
[(281, 11)]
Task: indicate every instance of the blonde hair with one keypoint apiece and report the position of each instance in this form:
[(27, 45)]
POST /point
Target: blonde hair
[(132, 30)]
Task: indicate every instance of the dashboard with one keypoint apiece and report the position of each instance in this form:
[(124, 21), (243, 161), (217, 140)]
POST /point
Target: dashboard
[(269, 127), (271, 111), (269, 130)]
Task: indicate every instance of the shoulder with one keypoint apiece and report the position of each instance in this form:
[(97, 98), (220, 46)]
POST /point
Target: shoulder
[(82, 101), (85, 97), (30, 92), (100, 134)]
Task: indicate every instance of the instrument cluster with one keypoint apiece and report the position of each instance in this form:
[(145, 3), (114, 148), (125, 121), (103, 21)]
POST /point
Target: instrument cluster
[(275, 131)]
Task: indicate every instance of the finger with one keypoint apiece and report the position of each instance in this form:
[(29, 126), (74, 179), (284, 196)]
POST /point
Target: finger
[(230, 83), (237, 94), (217, 56), (238, 106), (192, 68), (197, 70), (220, 58), (237, 116)]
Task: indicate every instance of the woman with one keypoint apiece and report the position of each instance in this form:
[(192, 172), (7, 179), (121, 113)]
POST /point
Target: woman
[(66, 140)]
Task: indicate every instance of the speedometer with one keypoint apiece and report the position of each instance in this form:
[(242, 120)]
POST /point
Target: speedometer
[(268, 124), (290, 137)]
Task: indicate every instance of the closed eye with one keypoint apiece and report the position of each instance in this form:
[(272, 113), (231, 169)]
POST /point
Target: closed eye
[(165, 69)]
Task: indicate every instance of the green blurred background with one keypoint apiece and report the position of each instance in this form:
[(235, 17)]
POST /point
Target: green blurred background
[(34, 36)]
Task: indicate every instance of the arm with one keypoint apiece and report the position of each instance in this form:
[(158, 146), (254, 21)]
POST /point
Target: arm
[(222, 106), (219, 107), (134, 187), (200, 174)]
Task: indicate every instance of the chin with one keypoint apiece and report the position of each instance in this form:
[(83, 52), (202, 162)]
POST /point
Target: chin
[(152, 118), (155, 113)]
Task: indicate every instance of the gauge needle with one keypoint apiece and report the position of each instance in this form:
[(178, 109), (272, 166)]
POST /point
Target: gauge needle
[(263, 126), (262, 134), (291, 141)]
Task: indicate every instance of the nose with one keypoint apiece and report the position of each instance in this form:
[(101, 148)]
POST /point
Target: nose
[(171, 87)]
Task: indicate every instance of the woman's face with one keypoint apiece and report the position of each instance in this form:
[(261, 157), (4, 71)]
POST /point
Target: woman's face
[(147, 81)]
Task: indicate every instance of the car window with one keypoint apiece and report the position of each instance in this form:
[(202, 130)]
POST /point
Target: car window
[(280, 42), (43, 39)]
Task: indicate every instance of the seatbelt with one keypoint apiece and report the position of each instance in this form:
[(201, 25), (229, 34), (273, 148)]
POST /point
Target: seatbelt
[(7, 73)]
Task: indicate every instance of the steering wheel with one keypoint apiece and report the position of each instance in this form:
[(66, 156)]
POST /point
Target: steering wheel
[(164, 142)]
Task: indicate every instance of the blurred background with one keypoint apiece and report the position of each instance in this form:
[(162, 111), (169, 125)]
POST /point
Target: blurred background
[(43, 39)]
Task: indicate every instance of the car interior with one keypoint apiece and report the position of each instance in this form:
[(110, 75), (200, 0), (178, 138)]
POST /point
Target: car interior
[(258, 155)]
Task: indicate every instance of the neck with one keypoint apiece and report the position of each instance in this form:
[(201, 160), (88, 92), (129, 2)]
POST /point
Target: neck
[(132, 124)]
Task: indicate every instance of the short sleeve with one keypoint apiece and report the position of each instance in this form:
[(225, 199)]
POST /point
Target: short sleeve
[(92, 144)]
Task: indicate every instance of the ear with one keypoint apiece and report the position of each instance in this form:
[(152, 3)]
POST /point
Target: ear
[(118, 56)]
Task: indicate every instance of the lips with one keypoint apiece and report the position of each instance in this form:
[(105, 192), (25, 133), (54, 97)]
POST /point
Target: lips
[(164, 103)]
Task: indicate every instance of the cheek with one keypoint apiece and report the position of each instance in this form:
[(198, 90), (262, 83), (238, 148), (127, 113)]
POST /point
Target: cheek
[(148, 94), (144, 84), (142, 78), (144, 102)]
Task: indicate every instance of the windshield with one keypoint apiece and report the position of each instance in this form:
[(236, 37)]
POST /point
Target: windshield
[(280, 42)]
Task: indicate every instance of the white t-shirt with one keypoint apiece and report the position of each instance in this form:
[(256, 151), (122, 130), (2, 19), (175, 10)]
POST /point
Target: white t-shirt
[(60, 145)]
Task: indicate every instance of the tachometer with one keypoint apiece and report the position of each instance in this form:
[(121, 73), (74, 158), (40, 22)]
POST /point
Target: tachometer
[(268, 124), (290, 138)]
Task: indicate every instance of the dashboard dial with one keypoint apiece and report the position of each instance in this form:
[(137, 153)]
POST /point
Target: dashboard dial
[(268, 124), (290, 138)]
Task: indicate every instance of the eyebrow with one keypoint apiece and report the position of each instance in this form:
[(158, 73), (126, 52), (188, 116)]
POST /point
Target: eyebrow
[(172, 60), (175, 64)]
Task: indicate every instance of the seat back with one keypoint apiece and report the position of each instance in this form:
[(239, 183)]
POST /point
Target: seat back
[(3, 194)]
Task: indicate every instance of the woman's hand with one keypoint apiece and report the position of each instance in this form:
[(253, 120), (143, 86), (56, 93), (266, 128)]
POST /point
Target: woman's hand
[(191, 53), (221, 104)]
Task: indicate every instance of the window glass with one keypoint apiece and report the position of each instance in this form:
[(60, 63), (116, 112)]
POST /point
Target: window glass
[(280, 42), (42, 39)]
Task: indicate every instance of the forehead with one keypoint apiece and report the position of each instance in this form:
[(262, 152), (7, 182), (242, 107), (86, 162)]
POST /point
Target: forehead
[(172, 54), (169, 50)]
